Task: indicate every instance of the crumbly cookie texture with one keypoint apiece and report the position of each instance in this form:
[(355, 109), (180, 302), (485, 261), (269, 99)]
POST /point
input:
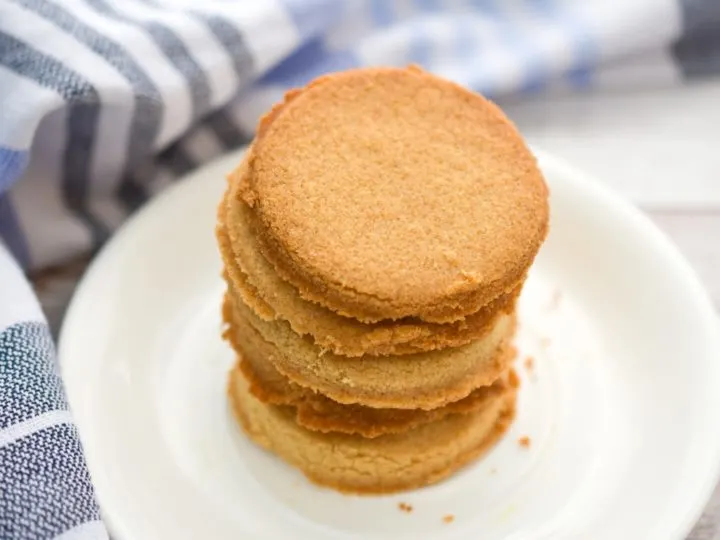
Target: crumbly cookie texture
[(388, 463), (271, 297), (387, 193), (418, 381), (375, 239), (317, 412)]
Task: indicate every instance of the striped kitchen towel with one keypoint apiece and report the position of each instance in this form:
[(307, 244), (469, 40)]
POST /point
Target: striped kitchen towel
[(103, 103), (45, 490)]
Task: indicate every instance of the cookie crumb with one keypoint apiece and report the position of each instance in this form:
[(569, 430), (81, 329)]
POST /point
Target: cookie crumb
[(524, 441), (529, 363), (513, 379), (405, 507), (449, 518)]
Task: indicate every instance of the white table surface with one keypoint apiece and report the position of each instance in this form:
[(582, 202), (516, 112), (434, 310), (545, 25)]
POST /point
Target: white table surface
[(660, 149)]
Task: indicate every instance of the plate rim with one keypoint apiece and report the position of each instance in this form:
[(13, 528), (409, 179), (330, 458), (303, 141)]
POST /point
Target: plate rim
[(636, 217)]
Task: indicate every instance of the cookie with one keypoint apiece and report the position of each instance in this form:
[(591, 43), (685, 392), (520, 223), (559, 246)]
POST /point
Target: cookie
[(385, 193), (388, 463), (417, 381), (317, 412), (271, 297)]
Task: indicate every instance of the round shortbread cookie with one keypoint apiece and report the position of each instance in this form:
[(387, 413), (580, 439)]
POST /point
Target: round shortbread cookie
[(384, 193), (271, 297), (418, 381), (317, 412), (389, 463)]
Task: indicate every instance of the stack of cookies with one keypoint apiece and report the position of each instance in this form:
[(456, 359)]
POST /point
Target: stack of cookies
[(375, 240)]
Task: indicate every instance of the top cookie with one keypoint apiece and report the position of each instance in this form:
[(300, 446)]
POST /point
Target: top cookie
[(387, 193)]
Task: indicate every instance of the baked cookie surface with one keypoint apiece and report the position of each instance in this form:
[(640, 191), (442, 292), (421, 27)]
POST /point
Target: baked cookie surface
[(388, 193), (317, 412), (388, 463), (254, 278), (418, 381)]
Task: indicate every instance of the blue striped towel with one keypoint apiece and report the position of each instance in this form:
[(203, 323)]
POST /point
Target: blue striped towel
[(106, 102)]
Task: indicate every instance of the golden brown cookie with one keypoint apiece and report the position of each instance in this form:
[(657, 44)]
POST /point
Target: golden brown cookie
[(417, 381), (317, 412), (393, 462), (254, 278), (384, 193)]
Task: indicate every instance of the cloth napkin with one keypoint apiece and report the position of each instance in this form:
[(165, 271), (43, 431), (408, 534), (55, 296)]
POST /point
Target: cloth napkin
[(103, 103)]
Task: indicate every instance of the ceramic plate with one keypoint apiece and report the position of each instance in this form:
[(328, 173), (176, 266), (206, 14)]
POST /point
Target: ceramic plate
[(620, 403)]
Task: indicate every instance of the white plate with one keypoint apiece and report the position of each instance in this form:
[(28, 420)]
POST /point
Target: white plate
[(621, 407)]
